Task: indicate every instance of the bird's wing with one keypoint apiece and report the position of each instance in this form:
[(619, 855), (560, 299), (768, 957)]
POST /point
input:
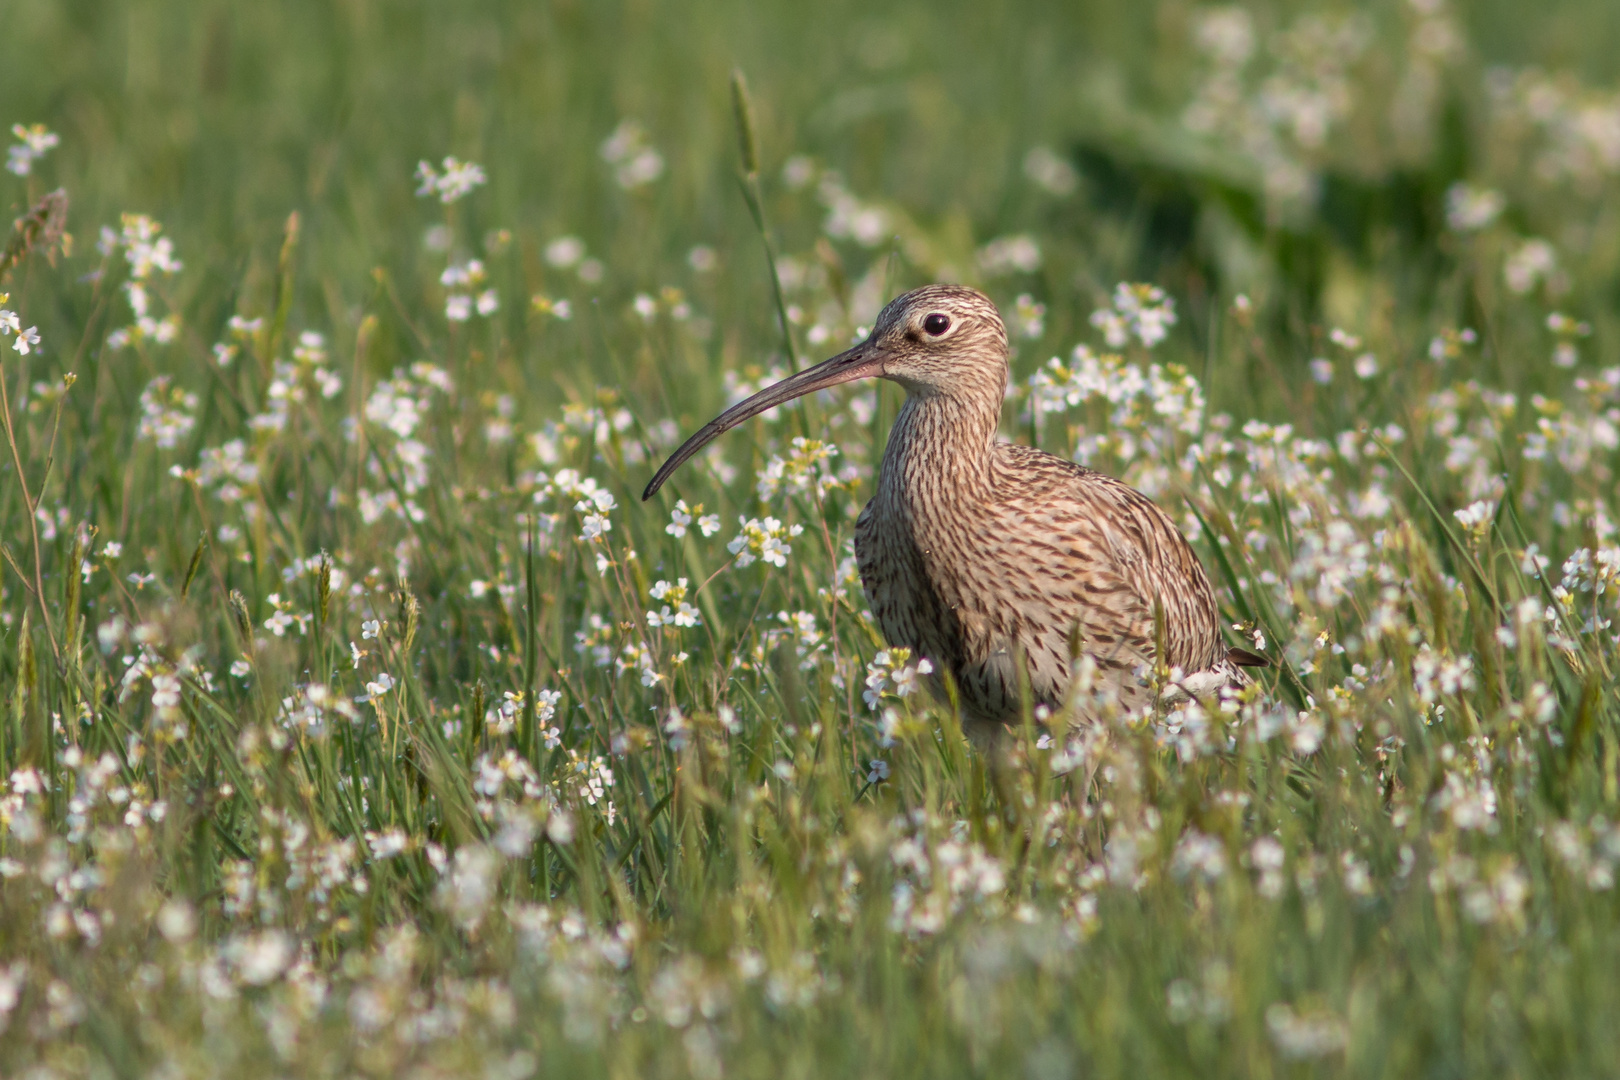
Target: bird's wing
[(1086, 551)]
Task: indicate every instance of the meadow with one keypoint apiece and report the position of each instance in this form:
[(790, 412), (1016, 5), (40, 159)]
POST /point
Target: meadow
[(359, 719)]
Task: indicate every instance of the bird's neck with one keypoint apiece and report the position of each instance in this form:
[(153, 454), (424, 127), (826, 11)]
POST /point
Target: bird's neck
[(939, 450)]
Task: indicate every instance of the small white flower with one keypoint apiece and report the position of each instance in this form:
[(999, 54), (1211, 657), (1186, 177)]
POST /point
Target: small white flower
[(176, 922), (1475, 517), (560, 827), (1530, 264), (387, 844), (311, 347), (1029, 317), (596, 499), (1051, 172), (564, 252), (1470, 209), (261, 958), (679, 519), (1301, 1036)]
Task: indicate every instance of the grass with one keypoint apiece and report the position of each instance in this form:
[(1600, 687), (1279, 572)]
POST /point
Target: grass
[(344, 731)]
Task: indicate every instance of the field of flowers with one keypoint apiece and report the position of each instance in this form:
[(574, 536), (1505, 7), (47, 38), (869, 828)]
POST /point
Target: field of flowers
[(360, 720)]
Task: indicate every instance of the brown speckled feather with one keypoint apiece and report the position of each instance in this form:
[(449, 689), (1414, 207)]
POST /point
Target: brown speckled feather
[(1030, 554)]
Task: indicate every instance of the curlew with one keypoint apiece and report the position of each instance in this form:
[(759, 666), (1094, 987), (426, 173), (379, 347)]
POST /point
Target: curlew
[(983, 556)]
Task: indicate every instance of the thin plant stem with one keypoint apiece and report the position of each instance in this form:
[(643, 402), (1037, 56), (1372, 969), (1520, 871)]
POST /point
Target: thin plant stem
[(32, 506)]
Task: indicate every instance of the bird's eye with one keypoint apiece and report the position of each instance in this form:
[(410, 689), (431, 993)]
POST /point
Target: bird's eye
[(936, 324)]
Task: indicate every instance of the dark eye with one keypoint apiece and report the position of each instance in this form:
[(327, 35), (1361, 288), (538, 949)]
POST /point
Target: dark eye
[(936, 324)]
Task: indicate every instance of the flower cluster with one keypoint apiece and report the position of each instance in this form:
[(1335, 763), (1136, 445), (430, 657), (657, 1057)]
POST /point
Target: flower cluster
[(1010, 255), (1141, 311), (683, 516), (466, 292), (763, 539), (682, 615), (848, 217), (1472, 209), (11, 323), (591, 501), (806, 470), (635, 163), (396, 407), (938, 877), (455, 182), (1149, 413), (33, 143), (147, 253), (1279, 119), (891, 672), (167, 412)]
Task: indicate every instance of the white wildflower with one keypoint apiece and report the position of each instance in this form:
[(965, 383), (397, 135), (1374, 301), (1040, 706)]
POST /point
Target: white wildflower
[(457, 180), (1470, 208), (635, 163), (34, 142), (1300, 1037), (1050, 172), (1010, 254)]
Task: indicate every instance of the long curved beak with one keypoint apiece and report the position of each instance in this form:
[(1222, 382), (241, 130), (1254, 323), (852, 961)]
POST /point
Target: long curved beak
[(861, 362)]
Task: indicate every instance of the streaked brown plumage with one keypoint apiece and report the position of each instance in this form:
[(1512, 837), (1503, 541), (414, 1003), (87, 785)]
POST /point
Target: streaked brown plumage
[(974, 552)]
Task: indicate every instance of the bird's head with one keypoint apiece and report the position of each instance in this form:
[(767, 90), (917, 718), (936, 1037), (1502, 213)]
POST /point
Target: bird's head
[(936, 340), (941, 339)]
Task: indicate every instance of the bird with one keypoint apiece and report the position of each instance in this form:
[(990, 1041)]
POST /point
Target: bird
[(999, 564)]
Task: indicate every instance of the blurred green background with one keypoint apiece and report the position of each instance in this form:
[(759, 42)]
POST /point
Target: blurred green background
[(218, 119)]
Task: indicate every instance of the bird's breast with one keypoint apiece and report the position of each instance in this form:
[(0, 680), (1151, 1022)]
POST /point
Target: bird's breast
[(928, 593)]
